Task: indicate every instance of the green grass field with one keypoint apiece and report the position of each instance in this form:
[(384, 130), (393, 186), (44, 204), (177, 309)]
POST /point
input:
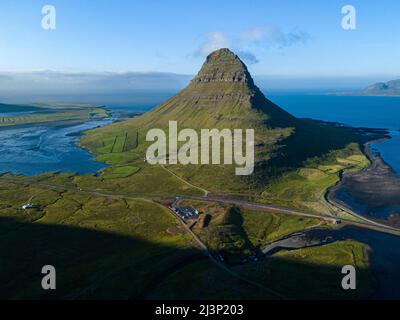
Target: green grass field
[(109, 236), (236, 234), (204, 281), (264, 227), (119, 172), (312, 273), (96, 243), (261, 226), (48, 116), (305, 187), (114, 246)]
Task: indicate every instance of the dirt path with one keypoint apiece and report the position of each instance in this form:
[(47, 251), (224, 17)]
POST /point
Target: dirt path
[(206, 192)]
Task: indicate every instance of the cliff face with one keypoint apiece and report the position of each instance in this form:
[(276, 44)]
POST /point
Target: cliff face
[(222, 95), (224, 66)]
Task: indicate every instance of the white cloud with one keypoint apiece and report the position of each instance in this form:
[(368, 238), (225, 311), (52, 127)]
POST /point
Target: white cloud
[(276, 37), (248, 56), (253, 35), (215, 41), (252, 40)]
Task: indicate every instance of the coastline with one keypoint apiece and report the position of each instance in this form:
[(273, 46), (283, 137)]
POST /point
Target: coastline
[(372, 189), (61, 123), (360, 94), (74, 137), (70, 133)]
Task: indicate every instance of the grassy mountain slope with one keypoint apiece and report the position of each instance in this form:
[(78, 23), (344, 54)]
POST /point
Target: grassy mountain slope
[(223, 95)]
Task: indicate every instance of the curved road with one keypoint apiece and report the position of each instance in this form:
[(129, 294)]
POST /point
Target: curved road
[(251, 204)]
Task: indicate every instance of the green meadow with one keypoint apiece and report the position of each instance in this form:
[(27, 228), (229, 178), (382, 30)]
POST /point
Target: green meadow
[(311, 273), (109, 237), (305, 187), (255, 228), (53, 115), (96, 243)]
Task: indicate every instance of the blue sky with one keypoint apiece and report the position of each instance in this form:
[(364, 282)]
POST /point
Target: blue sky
[(276, 38)]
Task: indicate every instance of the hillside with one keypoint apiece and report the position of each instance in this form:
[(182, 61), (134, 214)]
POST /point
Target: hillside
[(108, 227), (223, 95)]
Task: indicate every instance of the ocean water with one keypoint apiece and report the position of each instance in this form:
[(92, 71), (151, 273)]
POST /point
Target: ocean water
[(371, 112), (14, 114), (36, 149)]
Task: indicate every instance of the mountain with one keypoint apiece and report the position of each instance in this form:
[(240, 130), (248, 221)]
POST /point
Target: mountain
[(390, 88), (223, 95)]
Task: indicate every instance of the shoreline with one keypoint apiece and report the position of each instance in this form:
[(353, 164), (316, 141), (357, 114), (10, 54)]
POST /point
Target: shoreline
[(62, 123), (378, 179), (73, 141), (74, 137), (360, 94)]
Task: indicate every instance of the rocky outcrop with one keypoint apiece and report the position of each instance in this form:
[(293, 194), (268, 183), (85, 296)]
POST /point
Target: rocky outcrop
[(222, 90), (224, 66)]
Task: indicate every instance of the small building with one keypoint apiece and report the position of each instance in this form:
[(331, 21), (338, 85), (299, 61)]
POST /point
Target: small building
[(186, 213)]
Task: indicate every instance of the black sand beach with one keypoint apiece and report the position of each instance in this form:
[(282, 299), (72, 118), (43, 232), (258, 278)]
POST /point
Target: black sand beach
[(373, 192)]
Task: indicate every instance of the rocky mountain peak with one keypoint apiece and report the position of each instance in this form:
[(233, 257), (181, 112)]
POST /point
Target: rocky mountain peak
[(222, 95), (223, 66)]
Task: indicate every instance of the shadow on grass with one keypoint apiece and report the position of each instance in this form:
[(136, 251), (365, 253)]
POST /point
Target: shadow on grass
[(96, 264), (310, 140)]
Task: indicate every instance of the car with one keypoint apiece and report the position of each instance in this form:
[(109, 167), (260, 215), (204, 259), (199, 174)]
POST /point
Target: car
[(29, 206)]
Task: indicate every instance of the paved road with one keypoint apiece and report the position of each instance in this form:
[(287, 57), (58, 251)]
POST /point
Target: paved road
[(219, 263), (251, 204), (258, 205), (262, 206)]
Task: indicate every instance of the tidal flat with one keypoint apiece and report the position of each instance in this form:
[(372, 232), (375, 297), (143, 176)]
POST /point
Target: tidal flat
[(37, 141)]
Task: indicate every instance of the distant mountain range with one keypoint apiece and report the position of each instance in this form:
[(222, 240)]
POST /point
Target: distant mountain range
[(390, 88)]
